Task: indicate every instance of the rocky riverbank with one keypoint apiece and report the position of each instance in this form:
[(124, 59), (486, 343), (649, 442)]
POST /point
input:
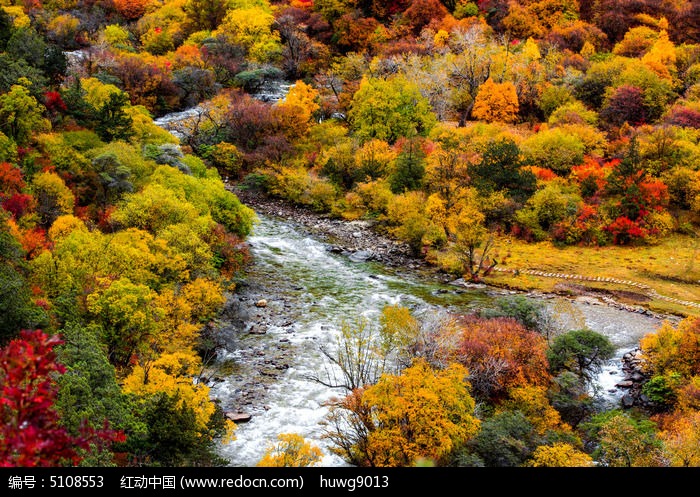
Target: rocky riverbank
[(359, 240), (362, 241), (258, 326)]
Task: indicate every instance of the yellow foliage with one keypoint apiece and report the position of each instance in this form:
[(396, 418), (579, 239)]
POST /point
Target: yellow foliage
[(97, 92), (19, 18), (420, 414), (496, 102), (205, 297), (173, 373), (145, 131), (673, 349), (64, 226), (681, 439), (532, 401), (398, 328), (559, 455), (661, 57), (303, 99), (441, 38), (291, 451)]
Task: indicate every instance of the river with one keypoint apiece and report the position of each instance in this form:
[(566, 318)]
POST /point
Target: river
[(309, 291), (314, 290)]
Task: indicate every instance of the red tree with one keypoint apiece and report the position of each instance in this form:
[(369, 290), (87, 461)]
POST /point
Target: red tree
[(30, 431)]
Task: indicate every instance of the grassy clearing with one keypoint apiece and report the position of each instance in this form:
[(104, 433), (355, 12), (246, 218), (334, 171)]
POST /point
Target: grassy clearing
[(671, 267)]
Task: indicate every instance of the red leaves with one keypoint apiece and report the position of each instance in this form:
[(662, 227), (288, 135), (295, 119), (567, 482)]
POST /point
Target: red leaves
[(30, 431), (624, 231), (53, 102), (18, 204), (10, 178)]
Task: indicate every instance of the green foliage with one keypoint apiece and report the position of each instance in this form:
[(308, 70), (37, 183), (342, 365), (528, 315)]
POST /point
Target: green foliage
[(501, 168), (624, 441), (17, 310), (113, 123), (529, 312), (409, 169), (173, 437), (663, 389), (89, 391), (21, 115), (505, 440), (580, 351), (389, 109)]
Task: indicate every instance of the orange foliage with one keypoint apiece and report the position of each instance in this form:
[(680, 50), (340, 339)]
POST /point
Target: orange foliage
[(131, 9), (496, 102), (10, 178), (187, 55), (33, 240), (302, 4), (543, 173), (501, 354), (593, 173)]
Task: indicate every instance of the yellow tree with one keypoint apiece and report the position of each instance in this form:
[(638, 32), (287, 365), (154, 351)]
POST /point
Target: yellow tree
[(681, 439), (673, 349), (303, 99), (173, 375), (532, 401), (53, 197), (251, 28), (661, 57), (559, 455), (420, 414), (291, 451), (496, 102)]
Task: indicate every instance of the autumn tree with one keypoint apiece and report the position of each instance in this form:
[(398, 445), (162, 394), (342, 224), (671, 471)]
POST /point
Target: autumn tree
[(131, 9), (389, 109), (500, 354), (252, 29), (472, 242), (623, 441), (496, 102), (21, 114), (53, 197), (32, 432), (680, 434), (290, 451), (420, 414), (205, 15), (560, 455), (671, 351)]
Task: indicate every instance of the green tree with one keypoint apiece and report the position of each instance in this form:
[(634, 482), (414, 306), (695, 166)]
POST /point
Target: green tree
[(583, 352), (174, 437), (21, 115), (89, 392), (112, 121), (408, 169), (501, 168), (17, 310), (388, 109)]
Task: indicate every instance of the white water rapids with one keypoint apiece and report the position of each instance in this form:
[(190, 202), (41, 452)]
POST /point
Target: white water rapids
[(326, 289), (329, 288)]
